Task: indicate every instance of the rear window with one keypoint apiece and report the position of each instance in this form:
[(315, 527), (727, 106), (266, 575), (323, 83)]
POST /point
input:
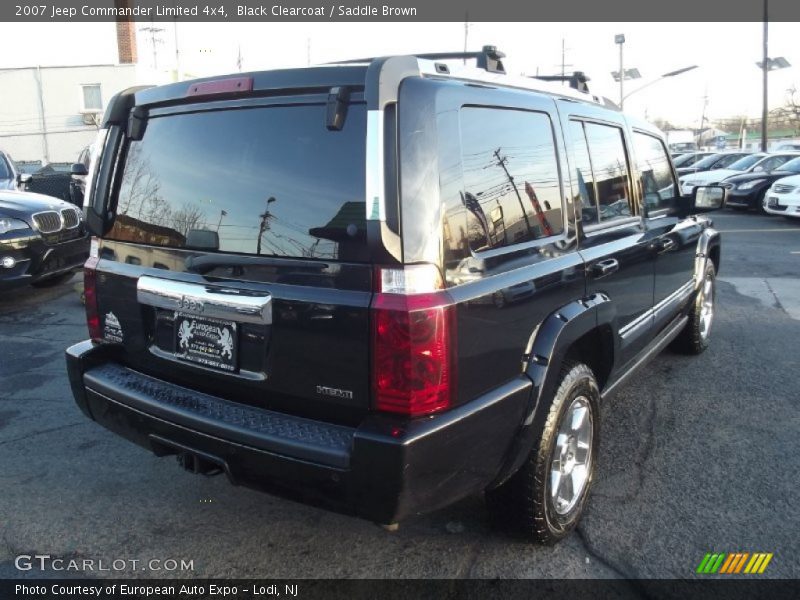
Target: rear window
[(268, 180)]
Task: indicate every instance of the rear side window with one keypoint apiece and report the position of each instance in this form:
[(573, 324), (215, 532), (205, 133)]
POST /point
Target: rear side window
[(510, 173), (603, 183), (267, 180), (658, 184)]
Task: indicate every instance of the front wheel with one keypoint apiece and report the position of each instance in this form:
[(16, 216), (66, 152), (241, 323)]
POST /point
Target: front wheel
[(695, 336), (546, 497)]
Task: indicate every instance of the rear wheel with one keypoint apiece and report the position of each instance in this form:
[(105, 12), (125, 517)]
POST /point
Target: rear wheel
[(695, 336), (545, 499)]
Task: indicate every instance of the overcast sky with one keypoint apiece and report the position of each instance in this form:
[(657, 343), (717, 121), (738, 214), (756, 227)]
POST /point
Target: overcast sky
[(724, 52)]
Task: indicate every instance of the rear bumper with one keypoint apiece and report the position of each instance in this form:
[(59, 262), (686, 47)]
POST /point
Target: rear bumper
[(384, 470)]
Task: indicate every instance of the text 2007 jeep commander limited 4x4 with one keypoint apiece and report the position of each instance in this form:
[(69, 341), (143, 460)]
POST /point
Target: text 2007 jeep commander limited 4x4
[(385, 285)]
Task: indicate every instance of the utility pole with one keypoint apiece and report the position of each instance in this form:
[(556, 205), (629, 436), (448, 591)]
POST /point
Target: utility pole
[(703, 114), (765, 77), (155, 39), (264, 227), (308, 52), (40, 90), (501, 162)]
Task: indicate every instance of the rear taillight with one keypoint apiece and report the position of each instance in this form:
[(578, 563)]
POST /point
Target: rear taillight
[(413, 343), (90, 294)]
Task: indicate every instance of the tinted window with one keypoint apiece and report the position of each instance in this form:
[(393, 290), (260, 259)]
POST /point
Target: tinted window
[(609, 165), (658, 185), (511, 184), (773, 162), (584, 179), (5, 172), (723, 161), (745, 162), (270, 181)]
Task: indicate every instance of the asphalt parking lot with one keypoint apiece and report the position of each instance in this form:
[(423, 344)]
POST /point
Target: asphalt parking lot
[(697, 455)]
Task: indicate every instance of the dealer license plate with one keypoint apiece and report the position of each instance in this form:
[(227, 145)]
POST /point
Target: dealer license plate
[(208, 342)]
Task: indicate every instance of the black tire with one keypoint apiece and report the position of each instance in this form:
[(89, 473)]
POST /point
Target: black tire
[(53, 281), (694, 338), (525, 502)]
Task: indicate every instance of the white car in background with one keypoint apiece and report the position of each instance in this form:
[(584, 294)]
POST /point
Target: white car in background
[(751, 163), (783, 197)]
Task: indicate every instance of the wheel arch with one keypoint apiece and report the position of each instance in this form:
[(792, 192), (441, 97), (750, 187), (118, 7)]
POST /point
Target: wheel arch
[(581, 331)]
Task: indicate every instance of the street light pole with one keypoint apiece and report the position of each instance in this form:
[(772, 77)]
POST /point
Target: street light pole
[(664, 76), (765, 71), (620, 39)]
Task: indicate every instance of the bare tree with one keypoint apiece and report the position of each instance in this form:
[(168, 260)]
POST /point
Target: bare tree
[(189, 216), (789, 113), (139, 195)]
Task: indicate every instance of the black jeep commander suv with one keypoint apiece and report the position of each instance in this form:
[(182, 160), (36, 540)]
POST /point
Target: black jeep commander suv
[(384, 285)]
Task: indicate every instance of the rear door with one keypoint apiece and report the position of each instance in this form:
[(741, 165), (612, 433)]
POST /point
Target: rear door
[(237, 263), (614, 241)]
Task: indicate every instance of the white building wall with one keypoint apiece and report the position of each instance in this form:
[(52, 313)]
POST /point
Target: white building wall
[(21, 127)]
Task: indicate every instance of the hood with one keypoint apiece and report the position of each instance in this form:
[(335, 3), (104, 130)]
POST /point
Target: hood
[(769, 176), (790, 180), (21, 205), (705, 177)]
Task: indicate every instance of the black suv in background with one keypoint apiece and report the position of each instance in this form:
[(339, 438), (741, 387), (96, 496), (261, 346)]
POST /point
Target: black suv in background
[(385, 285)]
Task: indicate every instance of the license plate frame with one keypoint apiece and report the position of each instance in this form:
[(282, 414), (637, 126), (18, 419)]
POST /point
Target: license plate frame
[(206, 341)]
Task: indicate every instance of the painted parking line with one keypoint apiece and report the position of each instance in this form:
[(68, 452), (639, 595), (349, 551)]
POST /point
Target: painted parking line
[(757, 230)]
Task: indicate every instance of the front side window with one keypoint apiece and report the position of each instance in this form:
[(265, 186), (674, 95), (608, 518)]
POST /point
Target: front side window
[(510, 173), (605, 196), (658, 184)]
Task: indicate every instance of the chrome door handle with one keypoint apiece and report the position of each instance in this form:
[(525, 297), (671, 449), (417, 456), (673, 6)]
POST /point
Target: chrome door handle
[(666, 245), (605, 267)]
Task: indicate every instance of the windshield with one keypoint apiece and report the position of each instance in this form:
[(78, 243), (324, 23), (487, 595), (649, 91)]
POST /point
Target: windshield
[(686, 160), (792, 166), (708, 161), (746, 162), (267, 180), (5, 173)]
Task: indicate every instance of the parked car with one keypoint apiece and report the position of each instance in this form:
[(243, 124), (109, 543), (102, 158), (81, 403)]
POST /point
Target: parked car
[(783, 197), (690, 158), (78, 173), (753, 163), (747, 191), (372, 178), (716, 160), (10, 178), (42, 240), (790, 147)]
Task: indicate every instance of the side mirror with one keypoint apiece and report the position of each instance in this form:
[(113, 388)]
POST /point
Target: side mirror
[(23, 178), (706, 198), (79, 169)]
